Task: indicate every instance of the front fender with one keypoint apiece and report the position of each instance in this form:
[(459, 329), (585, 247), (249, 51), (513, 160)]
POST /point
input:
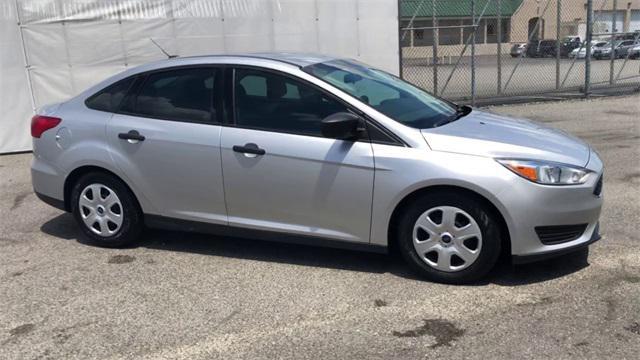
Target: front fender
[(402, 172)]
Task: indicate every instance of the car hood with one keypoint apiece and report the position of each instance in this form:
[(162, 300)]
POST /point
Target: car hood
[(484, 134)]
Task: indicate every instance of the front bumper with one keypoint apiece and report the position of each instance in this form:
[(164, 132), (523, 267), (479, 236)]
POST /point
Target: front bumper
[(524, 259), (532, 206)]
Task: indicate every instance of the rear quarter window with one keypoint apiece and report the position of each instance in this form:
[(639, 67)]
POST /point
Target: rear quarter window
[(109, 99)]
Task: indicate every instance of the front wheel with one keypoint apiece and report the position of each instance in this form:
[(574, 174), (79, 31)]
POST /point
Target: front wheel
[(449, 237), (106, 210)]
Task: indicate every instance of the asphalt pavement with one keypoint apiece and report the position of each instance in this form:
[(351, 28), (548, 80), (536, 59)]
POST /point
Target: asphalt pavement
[(188, 296)]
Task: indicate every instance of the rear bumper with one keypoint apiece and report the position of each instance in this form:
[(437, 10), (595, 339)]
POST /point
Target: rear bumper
[(47, 181), (56, 203), (524, 259)]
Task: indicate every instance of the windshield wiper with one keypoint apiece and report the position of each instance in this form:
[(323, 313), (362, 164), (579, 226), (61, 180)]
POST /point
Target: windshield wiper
[(461, 111)]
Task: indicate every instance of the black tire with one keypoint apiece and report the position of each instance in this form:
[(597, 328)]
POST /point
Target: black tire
[(472, 205), (132, 218)]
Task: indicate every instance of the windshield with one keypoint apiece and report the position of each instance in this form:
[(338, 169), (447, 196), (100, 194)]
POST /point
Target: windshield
[(386, 93), (616, 44)]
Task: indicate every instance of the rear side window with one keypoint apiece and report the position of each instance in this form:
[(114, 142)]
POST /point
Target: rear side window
[(180, 95), (110, 98)]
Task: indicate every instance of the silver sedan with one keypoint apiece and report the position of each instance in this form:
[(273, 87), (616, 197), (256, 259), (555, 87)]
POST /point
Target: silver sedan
[(315, 150)]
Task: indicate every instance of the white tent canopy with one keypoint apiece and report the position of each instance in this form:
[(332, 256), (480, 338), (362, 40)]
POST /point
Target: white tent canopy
[(53, 49)]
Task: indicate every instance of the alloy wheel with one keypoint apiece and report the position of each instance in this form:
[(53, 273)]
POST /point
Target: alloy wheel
[(447, 238), (101, 210)]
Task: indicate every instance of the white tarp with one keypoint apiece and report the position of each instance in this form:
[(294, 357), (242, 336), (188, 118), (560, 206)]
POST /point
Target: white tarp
[(15, 97), (63, 46)]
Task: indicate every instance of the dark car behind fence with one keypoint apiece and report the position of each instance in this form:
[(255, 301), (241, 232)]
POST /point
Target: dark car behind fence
[(469, 50)]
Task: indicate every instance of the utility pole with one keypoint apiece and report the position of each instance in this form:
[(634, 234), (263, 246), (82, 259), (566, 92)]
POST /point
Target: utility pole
[(499, 4), (587, 64), (558, 9), (612, 58)]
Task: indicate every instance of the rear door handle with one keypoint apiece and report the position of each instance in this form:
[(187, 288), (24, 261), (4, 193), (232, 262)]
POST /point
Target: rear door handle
[(249, 148), (131, 135)]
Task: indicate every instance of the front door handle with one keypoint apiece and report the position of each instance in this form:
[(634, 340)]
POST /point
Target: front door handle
[(132, 136), (249, 148)]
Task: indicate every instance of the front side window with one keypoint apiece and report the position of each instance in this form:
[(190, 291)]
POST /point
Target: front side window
[(268, 101), (180, 95), (110, 98), (386, 93)]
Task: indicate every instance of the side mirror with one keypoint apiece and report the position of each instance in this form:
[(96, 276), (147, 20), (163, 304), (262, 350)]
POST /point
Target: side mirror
[(342, 125)]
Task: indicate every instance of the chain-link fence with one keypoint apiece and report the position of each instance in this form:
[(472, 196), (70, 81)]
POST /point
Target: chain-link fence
[(478, 49)]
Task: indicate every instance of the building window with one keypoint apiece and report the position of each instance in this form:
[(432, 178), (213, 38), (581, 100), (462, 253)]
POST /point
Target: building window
[(469, 30), (405, 34), (450, 32), (422, 36), (506, 29), (449, 36), (492, 31)]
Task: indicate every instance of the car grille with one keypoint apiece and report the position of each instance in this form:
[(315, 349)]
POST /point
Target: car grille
[(598, 189), (550, 235)]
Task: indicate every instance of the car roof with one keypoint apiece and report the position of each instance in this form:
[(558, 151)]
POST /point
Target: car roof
[(287, 59), (292, 58)]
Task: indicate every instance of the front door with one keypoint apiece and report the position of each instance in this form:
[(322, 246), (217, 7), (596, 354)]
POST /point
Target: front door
[(280, 174), (166, 141)]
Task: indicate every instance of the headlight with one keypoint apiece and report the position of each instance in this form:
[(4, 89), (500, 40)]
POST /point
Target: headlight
[(547, 173)]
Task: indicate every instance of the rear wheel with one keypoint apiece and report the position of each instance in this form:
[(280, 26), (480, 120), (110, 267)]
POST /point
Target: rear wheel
[(106, 210), (449, 237)]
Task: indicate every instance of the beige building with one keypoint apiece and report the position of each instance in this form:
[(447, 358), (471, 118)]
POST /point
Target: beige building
[(520, 20), (573, 18)]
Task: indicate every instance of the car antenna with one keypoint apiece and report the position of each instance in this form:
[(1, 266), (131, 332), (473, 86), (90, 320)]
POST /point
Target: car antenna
[(169, 56)]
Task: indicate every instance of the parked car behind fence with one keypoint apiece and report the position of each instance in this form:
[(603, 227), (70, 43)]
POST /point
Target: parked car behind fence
[(568, 44), (518, 49), (581, 52), (541, 48), (620, 49), (634, 52)]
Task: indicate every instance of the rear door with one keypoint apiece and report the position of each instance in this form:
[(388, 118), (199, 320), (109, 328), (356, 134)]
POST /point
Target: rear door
[(295, 180), (625, 46), (166, 140)]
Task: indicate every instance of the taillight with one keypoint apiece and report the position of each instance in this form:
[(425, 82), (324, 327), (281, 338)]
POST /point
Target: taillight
[(40, 124)]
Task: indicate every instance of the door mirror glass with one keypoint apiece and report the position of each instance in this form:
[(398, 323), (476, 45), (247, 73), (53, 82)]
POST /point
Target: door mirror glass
[(342, 125)]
